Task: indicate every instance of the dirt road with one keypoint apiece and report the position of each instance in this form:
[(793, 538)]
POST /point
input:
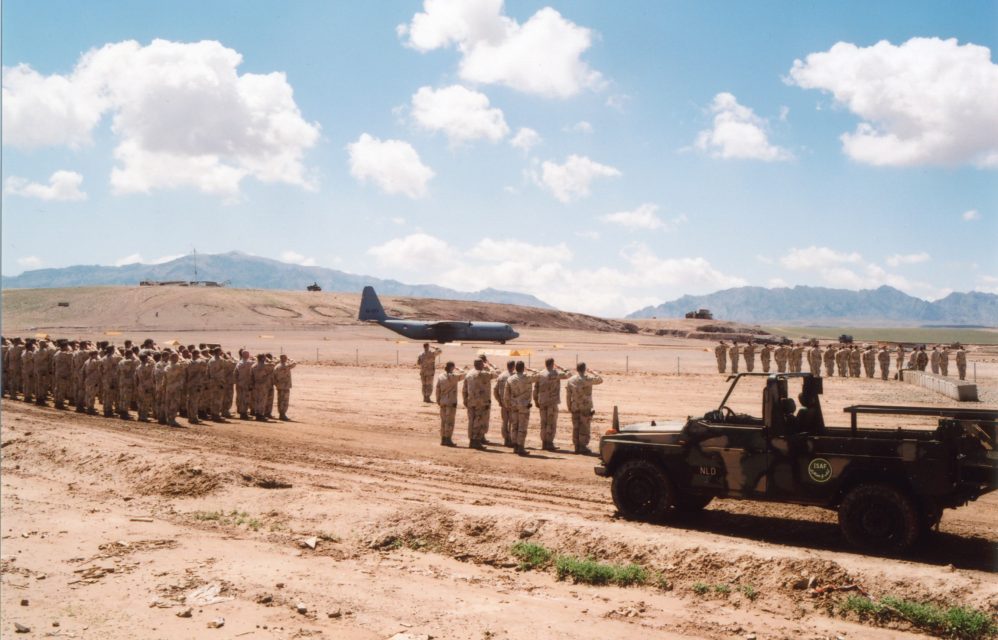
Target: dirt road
[(107, 525)]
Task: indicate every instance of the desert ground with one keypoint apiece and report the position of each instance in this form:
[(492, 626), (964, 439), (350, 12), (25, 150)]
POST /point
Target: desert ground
[(352, 522)]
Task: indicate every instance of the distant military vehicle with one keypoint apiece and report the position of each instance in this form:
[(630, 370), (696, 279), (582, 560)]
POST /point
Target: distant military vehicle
[(314, 287), (845, 338), (700, 314), (433, 330), (889, 486)]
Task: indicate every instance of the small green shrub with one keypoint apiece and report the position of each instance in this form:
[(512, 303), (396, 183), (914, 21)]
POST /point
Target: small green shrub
[(700, 588), (588, 571), (531, 555), (964, 623), (723, 589), (749, 592)]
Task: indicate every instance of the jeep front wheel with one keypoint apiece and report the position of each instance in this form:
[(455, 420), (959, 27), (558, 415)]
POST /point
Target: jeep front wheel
[(642, 491), (880, 518)]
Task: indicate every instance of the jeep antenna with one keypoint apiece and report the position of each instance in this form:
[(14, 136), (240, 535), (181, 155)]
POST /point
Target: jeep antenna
[(195, 265)]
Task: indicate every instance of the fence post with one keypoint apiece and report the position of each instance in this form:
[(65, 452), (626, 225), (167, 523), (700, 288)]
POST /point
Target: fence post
[(627, 364), (356, 357), (677, 365), (396, 357)]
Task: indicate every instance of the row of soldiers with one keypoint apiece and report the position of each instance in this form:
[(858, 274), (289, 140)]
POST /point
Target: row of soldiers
[(851, 361), (516, 391), (196, 382)]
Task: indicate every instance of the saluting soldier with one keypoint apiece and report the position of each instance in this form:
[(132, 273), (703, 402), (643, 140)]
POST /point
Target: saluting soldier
[(547, 395), (263, 382), (884, 357), (961, 362), (764, 355), (934, 359), (517, 398), (427, 362), (579, 392), (944, 361), (244, 385), (507, 439), (749, 352), (721, 353), (446, 390), (477, 396), (282, 381)]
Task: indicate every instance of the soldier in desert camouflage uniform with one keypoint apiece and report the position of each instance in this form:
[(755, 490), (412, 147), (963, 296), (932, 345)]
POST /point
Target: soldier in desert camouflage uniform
[(764, 356), (869, 361), (175, 381), (427, 362), (921, 359), (109, 380), (961, 362), (28, 371), (579, 394), (14, 366), (196, 382), (126, 384), (145, 387), (780, 354), (80, 358), (43, 372), (884, 358), (721, 354), (282, 381), (829, 358), (244, 385), (749, 353), (507, 439), (733, 351), (842, 361), (446, 391), (477, 396), (944, 361), (218, 377), (62, 375), (92, 379), (934, 359), (516, 395), (547, 395)]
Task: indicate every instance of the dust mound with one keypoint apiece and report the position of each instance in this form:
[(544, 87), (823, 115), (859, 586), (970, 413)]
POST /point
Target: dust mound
[(176, 480), (263, 479)]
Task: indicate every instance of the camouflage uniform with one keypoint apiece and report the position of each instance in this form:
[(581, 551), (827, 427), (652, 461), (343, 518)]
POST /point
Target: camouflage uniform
[(126, 384), (62, 378), (263, 383), (92, 380), (944, 361), (282, 380), (174, 382), (145, 389), (829, 358), (80, 359), (427, 362), (842, 361), (28, 374), (547, 395), (814, 360), (934, 360), (244, 387), (869, 362), (764, 355), (446, 390), (884, 358), (109, 382), (14, 368), (900, 357), (196, 382), (797, 359), (733, 352), (269, 403), (516, 395), (780, 355), (229, 393), (477, 396), (218, 377), (961, 363), (159, 388), (749, 353), (721, 353), (43, 373), (855, 362), (921, 360), (579, 395), (503, 409)]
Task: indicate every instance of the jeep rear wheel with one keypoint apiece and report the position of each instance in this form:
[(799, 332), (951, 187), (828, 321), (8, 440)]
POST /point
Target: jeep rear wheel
[(880, 518), (642, 491)]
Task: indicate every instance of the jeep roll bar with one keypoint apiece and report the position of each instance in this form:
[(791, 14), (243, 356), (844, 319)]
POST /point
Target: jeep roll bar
[(938, 412)]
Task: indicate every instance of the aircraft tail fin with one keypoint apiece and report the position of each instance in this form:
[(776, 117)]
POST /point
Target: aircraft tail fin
[(370, 306)]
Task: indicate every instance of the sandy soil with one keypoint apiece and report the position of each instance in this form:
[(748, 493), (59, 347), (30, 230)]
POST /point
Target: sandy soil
[(107, 526)]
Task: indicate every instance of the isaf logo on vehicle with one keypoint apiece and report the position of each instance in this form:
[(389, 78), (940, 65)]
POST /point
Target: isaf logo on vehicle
[(820, 470)]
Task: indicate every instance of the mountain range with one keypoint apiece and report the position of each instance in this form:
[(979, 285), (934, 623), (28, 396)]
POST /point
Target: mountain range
[(801, 305), (241, 270)]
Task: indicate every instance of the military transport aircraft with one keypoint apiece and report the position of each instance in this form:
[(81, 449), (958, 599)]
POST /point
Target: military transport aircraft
[(434, 330)]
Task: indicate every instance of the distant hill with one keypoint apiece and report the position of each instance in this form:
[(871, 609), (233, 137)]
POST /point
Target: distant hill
[(823, 306), (251, 272)]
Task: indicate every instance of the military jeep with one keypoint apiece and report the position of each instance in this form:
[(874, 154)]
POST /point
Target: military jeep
[(889, 486)]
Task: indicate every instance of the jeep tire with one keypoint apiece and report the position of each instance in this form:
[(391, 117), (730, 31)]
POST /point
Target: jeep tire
[(642, 491), (880, 517)]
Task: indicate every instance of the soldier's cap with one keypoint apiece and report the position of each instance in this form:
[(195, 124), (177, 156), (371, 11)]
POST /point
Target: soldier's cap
[(260, 356), (16, 340)]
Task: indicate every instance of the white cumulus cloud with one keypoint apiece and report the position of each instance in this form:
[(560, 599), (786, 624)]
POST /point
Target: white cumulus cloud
[(570, 180), (644, 217), (525, 139), (29, 262), (393, 165), (63, 186), (899, 259), (296, 258), (460, 113), (542, 56), (134, 258), (415, 252), (182, 114), (849, 270), (582, 126), (970, 215), (818, 258), (925, 102), (738, 133)]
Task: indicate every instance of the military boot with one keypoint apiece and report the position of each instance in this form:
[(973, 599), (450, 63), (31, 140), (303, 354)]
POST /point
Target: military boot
[(507, 442), (284, 417), (520, 451), (244, 416), (476, 444)]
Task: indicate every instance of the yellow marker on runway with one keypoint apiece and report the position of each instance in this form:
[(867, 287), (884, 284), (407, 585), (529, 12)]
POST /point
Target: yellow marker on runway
[(109, 333), (268, 337)]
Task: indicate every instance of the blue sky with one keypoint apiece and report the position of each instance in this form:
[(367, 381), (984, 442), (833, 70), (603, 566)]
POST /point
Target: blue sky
[(602, 156)]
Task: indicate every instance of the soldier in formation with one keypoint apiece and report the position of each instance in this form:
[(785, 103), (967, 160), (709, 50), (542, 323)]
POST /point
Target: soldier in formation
[(829, 359), (547, 395), (198, 383), (733, 352), (427, 363), (477, 395), (721, 354), (579, 392), (765, 354), (749, 354), (884, 358)]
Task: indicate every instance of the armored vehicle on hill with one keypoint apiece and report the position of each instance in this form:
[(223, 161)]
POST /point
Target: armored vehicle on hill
[(700, 314), (889, 486)]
